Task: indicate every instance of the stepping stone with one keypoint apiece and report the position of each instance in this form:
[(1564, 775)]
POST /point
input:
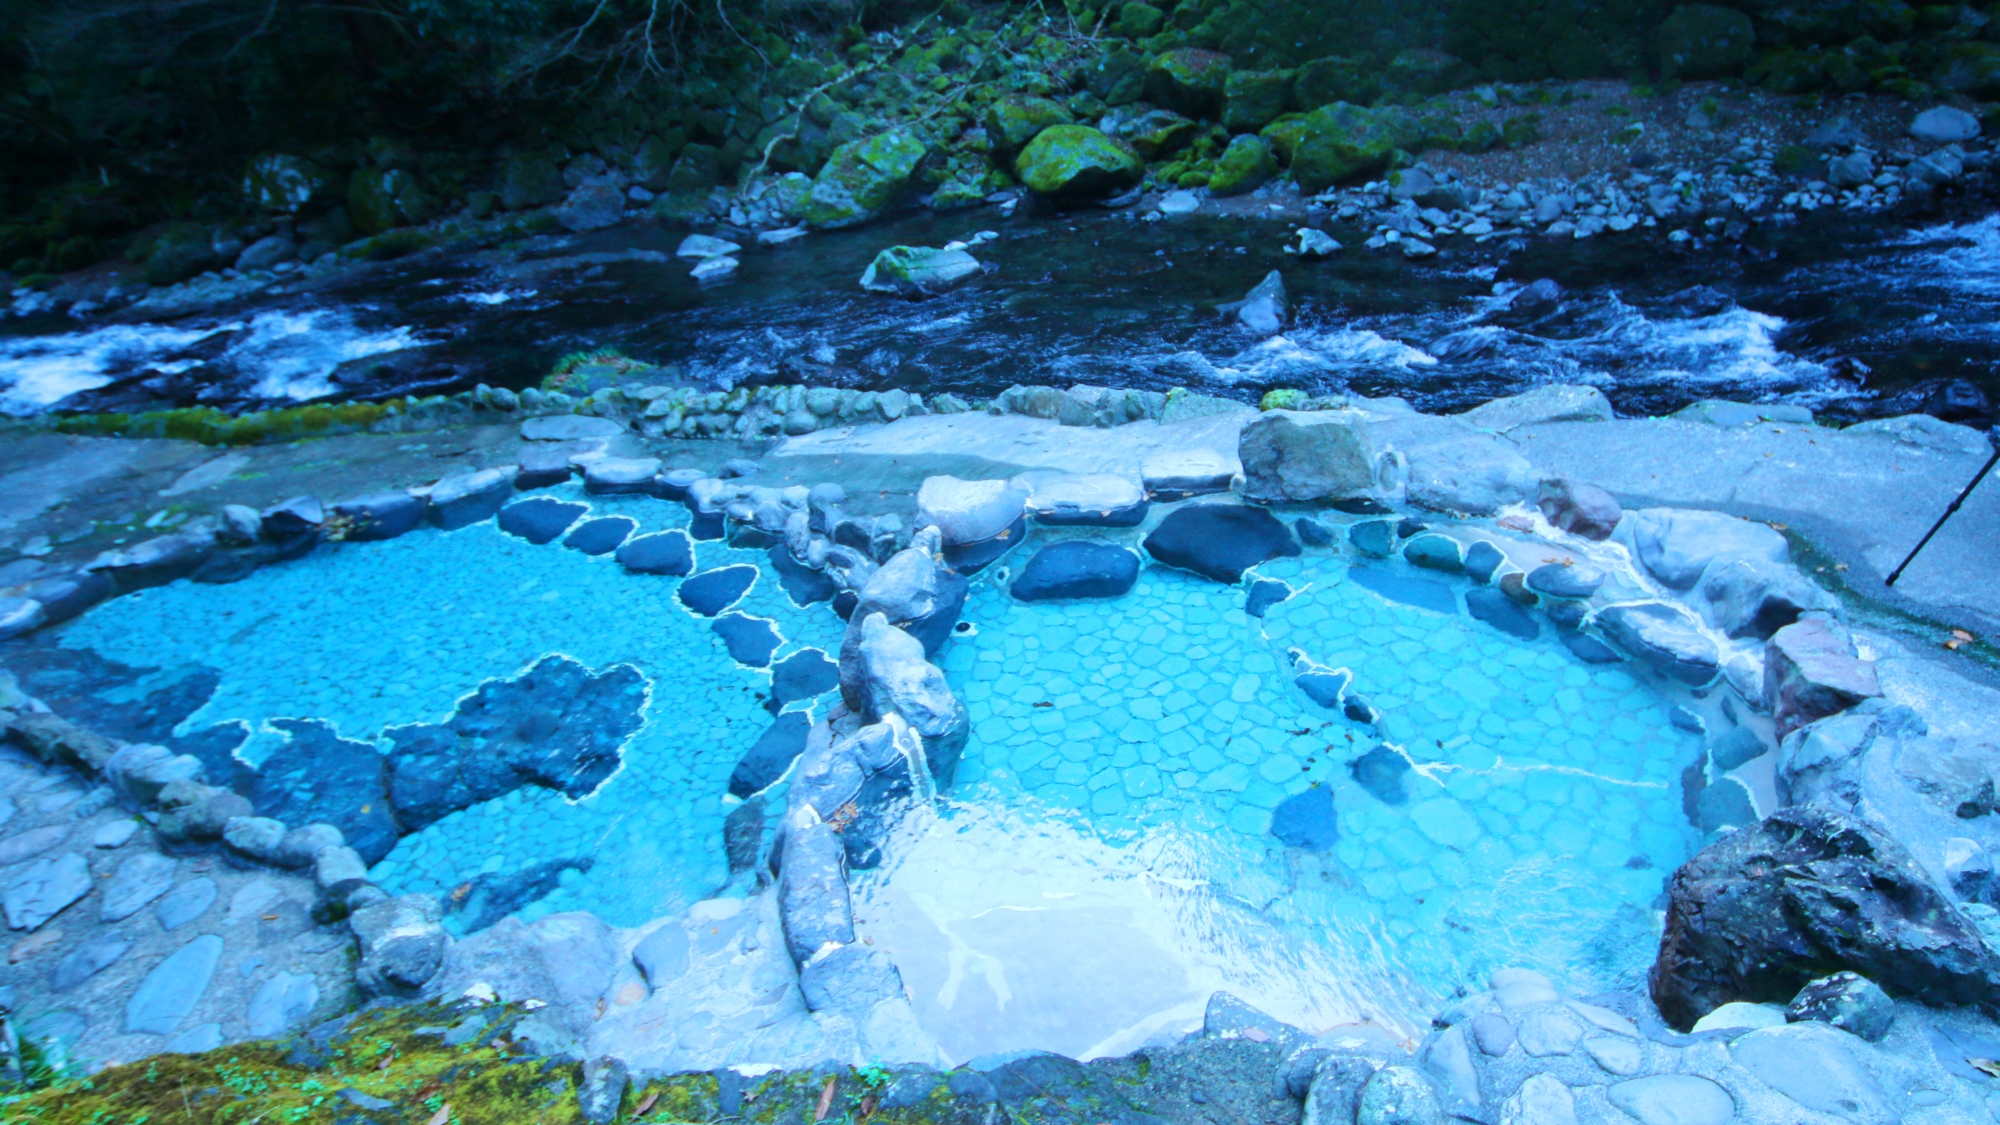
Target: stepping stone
[(540, 519), (615, 475), (971, 558), (804, 585), (87, 960), (1482, 559), (1220, 541), (1312, 533), (468, 498), (45, 890), (600, 536), (173, 988), (1323, 688), (113, 833), (1374, 538), (771, 755), (139, 880), (1423, 593), (751, 640), (1434, 552), (1307, 821), (380, 515), (1589, 649), (185, 903), (542, 467), (1380, 771), (663, 552), (804, 675), (281, 1004), (1077, 568), (713, 591), (1559, 581), (569, 427), (1264, 594), (1500, 611)]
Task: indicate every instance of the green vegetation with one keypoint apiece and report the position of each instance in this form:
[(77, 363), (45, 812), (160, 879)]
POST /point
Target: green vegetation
[(213, 427)]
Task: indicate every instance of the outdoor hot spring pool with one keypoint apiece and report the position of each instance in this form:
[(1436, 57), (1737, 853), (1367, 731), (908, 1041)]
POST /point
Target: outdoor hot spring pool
[(1105, 858)]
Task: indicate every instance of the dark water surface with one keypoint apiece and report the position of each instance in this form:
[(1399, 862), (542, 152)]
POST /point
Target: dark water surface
[(1843, 316)]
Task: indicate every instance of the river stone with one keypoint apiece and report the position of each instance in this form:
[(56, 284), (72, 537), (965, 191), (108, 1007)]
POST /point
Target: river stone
[(1808, 892), (45, 890), (1307, 821), (1502, 612), (1220, 541), (863, 178), (1673, 1099), (1677, 544), (1264, 593), (1317, 455), (281, 1004), (379, 515), (1811, 671), (616, 476), (1493, 1033), (63, 596), (1312, 533), (35, 841), (1087, 500), (750, 640), (1664, 636), (918, 271), (1547, 1031), (713, 591), (969, 511), (1740, 1016), (1373, 538), (700, 247), (1482, 559), (465, 499), (1560, 581), (884, 672), (1580, 509), (662, 552), (1848, 1001), (600, 536), (1434, 552), (1398, 1095), (141, 878), (173, 988), (1178, 474), (850, 979), (1755, 597), (1076, 162), (916, 592), (92, 956), (1264, 309), (114, 833), (1557, 402), (540, 519), (1542, 1099), (542, 466), (1341, 141), (185, 903), (1077, 568), (1815, 1065), (1943, 125), (154, 562), (1616, 1056), (569, 427), (663, 954)]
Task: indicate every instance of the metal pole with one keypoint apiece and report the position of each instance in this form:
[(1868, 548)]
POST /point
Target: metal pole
[(1953, 507)]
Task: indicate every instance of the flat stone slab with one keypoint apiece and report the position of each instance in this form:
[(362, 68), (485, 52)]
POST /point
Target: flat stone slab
[(139, 880), (281, 1004), (173, 988), (569, 427), (45, 890), (185, 903)]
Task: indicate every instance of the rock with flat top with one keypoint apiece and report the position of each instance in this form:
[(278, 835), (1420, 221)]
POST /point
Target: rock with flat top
[(45, 890), (569, 427), (1557, 402), (1676, 544), (1292, 456), (969, 511), (466, 499)]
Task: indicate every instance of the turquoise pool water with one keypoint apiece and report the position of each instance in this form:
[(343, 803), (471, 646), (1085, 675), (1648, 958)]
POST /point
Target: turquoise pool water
[(368, 636), (1115, 804)]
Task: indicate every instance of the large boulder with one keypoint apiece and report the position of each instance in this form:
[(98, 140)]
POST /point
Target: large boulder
[(1557, 402), (594, 204), (1677, 544), (1810, 891), (1252, 99), (1312, 455), (1755, 597), (918, 271), (1013, 122), (864, 178), (1077, 162), (1665, 636), (1191, 80), (1220, 541), (812, 888), (1246, 165), (1341, 142), (1474, 475), (884, 673), (565, 961), (916, 591), (1811, 671)]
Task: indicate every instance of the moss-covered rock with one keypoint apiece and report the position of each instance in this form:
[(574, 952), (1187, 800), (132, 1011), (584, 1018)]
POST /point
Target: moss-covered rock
[(1483, 136), (653, 164), (1077, 162), (957, 195), (1972, 69), (918, 271), (1789, 71), (1190, 80), (1013, 122), (1140, 21), (864, 178), (1154, 133), (530, 179), (1284, 135), (1521, 130), (1422, 70), (1336, 78), (1245, 165), (1252, 99), (379, 200), (1442, 131), (289, 185), (180, 252), (1705, 41), (1341, 142), (1116, 77)]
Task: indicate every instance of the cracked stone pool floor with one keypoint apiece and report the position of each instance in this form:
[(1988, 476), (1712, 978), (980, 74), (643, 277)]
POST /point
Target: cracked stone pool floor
[(368, 636)]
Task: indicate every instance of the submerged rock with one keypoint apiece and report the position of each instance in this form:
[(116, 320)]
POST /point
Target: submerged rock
[(1263, 310), (1220, 541), (1077, 568), (1665, 636), (1810, 891), (1848, 1001)]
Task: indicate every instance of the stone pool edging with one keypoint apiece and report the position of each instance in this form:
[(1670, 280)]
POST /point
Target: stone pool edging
[(1812, 679)]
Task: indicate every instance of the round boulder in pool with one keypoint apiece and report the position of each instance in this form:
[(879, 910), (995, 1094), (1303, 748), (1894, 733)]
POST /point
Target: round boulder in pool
[(1220, 541), (1077, 568)]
